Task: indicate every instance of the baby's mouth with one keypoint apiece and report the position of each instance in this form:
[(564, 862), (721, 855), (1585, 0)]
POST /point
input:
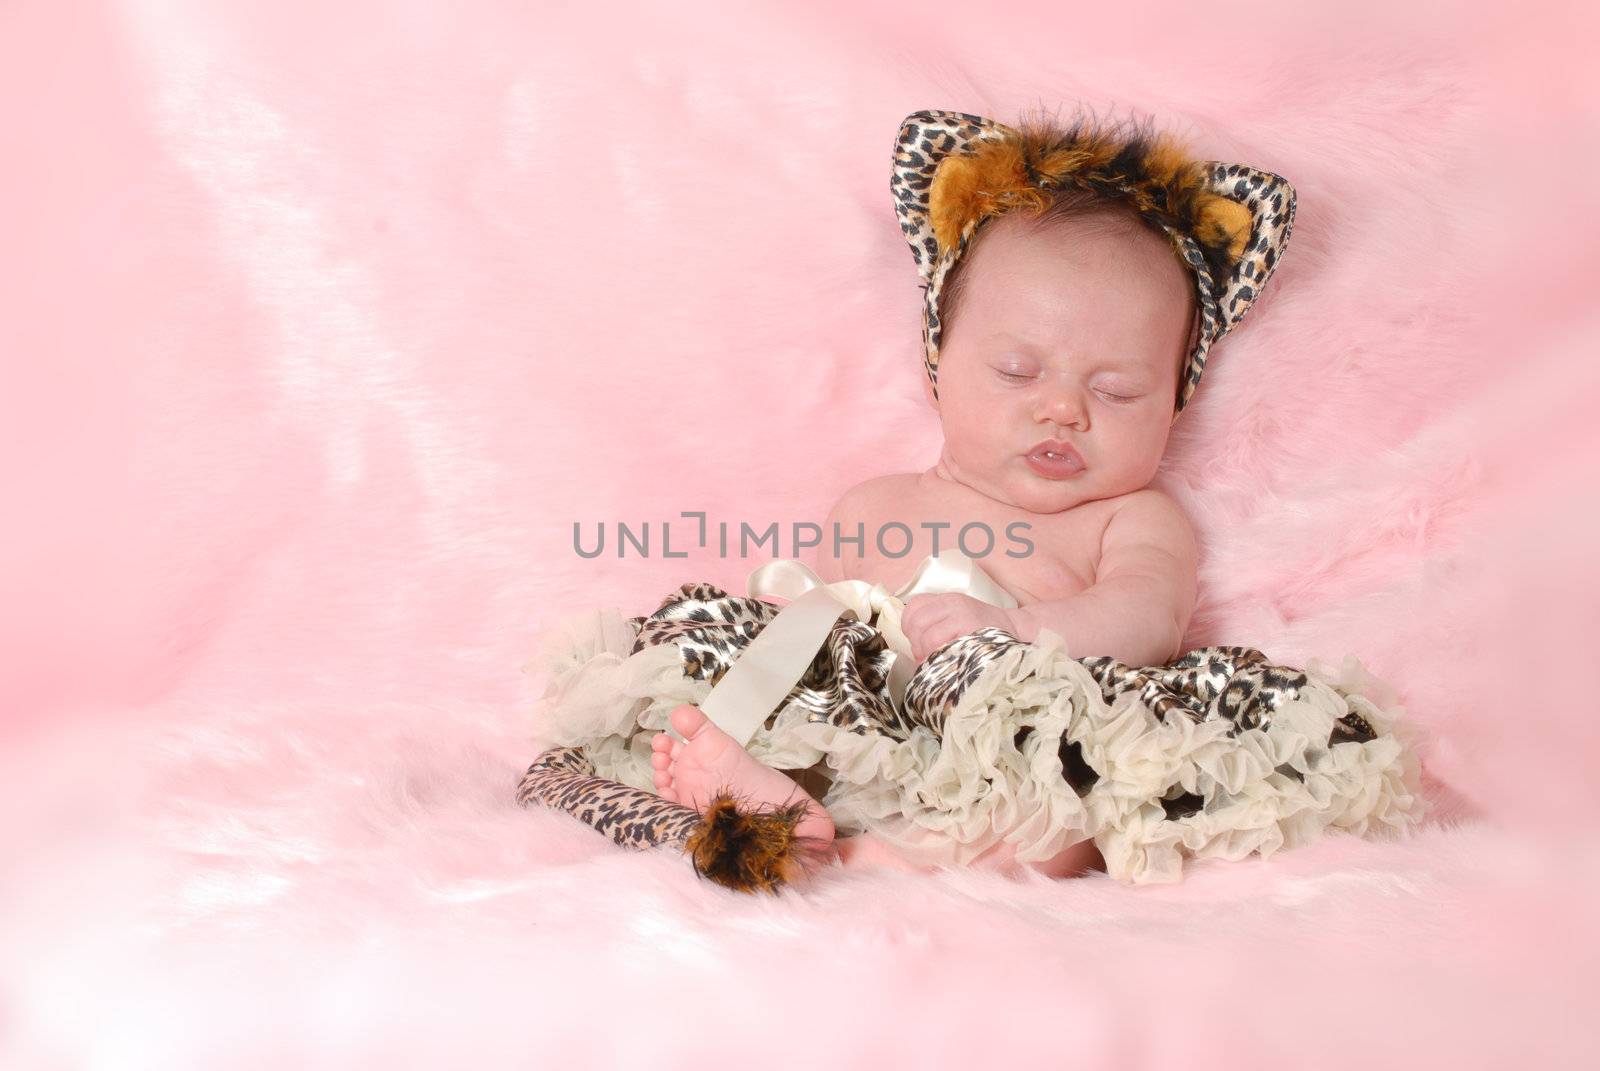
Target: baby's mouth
[(1055, 460)]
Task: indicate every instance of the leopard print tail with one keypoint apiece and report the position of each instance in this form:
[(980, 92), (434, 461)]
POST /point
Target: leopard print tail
[(564, 778), (741, 849)]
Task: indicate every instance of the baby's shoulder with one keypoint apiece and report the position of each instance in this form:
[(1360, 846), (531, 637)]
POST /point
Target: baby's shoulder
[(1147, 507), (870, 496), (859, 509), (1150, 518)]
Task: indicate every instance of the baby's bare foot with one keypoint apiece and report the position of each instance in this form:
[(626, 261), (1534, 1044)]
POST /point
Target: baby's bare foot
[(708, 761)]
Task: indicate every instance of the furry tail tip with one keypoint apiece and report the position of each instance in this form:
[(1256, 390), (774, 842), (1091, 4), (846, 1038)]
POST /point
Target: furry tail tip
[(754, 850)]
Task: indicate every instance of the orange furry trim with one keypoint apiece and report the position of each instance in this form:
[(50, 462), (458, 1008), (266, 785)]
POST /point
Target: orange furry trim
[(1222, 222), (752, 851), (1151, 171), (986, 183)]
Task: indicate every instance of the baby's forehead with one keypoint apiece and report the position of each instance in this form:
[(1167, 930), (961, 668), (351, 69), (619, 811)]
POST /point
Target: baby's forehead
[(1087, 242), (1040, 286), (1119, 254)]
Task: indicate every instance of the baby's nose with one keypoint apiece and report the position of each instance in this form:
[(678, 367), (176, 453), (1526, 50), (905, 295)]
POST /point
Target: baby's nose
[(1062, 404)]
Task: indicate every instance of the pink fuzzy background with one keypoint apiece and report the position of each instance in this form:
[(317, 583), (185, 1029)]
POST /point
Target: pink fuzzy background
[(320, 325)]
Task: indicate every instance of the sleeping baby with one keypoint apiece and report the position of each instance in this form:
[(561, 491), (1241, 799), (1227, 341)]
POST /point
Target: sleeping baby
[(1034, 709)]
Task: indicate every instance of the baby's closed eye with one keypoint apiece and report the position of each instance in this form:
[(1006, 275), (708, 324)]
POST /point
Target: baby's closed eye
[(1114, 393)]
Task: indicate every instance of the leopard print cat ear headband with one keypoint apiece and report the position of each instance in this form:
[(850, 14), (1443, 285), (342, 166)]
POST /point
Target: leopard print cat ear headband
[(1228, 223)]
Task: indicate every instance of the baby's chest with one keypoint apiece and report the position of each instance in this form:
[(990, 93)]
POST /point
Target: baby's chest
[(1033, 556)]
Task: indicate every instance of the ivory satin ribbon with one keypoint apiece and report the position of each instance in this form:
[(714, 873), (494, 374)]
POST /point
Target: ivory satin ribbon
[(773, 663)]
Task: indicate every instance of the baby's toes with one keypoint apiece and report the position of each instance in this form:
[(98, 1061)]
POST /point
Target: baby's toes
[(661, 760), (661, 742), (663, 783)]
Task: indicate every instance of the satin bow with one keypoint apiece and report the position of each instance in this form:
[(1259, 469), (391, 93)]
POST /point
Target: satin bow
[(773, 663)]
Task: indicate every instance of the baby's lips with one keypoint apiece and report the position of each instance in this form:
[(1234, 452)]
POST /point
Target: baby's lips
[(1055, 460), (1057, 446)]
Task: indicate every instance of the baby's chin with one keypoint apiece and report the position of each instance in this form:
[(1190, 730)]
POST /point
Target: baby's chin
[(1037, 495)]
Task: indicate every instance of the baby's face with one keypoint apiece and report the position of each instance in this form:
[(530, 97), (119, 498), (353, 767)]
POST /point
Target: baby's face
[(1074, 332)]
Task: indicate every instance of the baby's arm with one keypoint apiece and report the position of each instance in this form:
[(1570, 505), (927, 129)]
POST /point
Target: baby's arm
[(1144, 591), (828, 565)]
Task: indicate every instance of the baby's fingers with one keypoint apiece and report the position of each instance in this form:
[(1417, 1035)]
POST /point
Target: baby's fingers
[(911, 616), (935, 635), (921, 611)]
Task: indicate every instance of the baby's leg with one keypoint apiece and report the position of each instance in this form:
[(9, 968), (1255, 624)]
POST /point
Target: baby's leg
[(1070, 862), (865, 850), (692, 772)]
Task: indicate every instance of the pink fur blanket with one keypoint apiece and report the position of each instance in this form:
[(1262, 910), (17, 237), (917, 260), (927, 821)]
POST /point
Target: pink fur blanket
[(321, 326)]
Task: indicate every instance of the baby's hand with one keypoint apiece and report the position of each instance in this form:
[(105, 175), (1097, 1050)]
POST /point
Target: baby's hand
[(931, 621)]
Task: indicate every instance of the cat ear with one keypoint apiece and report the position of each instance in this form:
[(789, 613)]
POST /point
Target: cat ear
[(1237, 234), (1244, 234), (925, 139)]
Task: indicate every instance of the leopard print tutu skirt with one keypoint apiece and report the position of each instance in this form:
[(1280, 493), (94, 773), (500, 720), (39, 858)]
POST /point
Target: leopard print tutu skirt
[(1218, 754)]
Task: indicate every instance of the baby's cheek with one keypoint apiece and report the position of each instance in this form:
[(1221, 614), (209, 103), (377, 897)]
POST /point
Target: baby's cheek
[(968, 435)]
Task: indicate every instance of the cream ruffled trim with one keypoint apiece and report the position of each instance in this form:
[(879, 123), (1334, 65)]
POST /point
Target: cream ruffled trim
[(598, 696), (1370, 788), (947, 804)]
